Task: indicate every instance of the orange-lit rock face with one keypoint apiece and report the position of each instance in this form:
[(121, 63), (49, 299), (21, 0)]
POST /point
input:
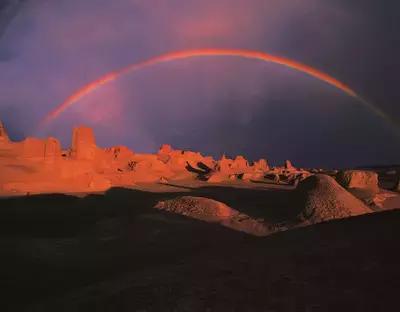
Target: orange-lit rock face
[(164, 153), (179, 160), (115, 159), (237, 166), (165, 149), (288, 165), (83, 144), (324, 199), (148, 168), (224, 165), (36, 165), (218, 177), (119, 153), (3, 134), (74, 169), (240, 164), (358, 179), (33, 148), (52, 149), (261, 165)]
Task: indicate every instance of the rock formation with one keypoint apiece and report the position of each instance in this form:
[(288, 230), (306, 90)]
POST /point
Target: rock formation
[(210, 210), (83, 144), (322, 198), (96, 182), (358, 179), (52, 149), (198, 207), (227, 169), (3, 134), (219, 177), (261, 165), (237, 166), (240, 165), (40, 165), (224, 165), (252, 176), (33, 148), (397, 185), (288, 165), (165, 149), (150, 169), (119, 153)]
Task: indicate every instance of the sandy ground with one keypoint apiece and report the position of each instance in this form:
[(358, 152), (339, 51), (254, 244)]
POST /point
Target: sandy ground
[(114, 252)]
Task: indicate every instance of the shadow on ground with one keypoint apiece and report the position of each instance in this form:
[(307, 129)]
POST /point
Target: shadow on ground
[(112, 252)]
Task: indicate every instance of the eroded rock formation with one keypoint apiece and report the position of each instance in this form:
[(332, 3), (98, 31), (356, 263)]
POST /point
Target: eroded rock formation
[(261, 165), (198, 207), (33, 148), (87, 167), (322, 199), (210, 210), (3, 134), (358, 179), (52, 149), (83, 144)]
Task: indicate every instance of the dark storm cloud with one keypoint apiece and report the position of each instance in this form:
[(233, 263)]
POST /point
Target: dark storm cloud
[(8, 10), (51, 48)]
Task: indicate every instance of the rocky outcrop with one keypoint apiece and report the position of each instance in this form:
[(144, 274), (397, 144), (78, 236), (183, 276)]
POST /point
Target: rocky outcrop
[(98, 183), (164, 153), (165, 149), (210, 210), (181, 161), (240, 165), (150, 169), (119, 153), (219, 177), (321, 198), (261, 165), (288, 165), (83, 144), (230, 169), (196, 207), (73, 169), (252, 176), (82, 165), (52, 149), (3, 134), (33, 148), (396, 187), (358, 179), (224, 165)]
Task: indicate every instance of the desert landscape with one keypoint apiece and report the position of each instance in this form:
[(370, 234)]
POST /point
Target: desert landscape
[(199, 156), (105, 229)]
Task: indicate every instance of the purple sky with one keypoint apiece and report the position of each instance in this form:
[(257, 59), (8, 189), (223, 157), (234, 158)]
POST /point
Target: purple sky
[(49, 48)]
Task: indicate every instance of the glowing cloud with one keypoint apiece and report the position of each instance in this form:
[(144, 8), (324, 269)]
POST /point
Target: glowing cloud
[(257, 55)]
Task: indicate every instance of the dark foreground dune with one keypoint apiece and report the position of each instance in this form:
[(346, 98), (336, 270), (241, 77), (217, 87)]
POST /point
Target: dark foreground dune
[(113, 252)]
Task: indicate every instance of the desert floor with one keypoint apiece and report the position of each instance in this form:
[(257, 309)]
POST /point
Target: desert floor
[(114, 252)]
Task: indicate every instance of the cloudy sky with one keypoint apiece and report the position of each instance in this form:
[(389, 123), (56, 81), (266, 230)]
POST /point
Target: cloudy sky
[(49, 48)]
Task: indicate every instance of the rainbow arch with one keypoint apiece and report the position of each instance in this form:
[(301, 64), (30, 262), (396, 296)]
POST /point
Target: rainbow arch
[(178, 55)]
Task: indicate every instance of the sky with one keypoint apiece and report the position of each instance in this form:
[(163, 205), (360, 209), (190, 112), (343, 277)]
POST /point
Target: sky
[(48, 49)]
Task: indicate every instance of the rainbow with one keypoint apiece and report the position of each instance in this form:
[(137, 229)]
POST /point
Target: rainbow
[(172, 56)]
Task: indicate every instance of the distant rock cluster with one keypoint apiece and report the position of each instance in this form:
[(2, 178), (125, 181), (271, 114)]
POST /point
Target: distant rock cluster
[(316, 195), (41, 165)]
